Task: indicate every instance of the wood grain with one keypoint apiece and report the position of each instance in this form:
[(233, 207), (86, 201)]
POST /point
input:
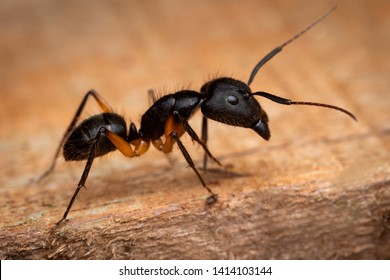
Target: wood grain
[(319, 189)]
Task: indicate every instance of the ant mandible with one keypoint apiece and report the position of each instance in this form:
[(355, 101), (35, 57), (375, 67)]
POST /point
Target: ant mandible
[(224, 100)]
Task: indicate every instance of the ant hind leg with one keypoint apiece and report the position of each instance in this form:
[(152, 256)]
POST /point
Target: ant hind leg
[(84, 176)]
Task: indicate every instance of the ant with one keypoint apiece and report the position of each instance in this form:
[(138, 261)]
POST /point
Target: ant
[(224, 100)]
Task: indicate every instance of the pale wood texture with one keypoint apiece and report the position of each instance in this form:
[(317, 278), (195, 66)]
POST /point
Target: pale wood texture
[(319, 189)]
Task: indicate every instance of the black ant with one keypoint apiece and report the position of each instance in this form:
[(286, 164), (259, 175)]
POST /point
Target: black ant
[(224, 100)]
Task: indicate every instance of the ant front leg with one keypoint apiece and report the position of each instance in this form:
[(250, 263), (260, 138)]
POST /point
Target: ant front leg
[(173, 131), (102, 104)]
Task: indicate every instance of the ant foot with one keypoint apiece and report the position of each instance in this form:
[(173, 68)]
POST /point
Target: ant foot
[(60, 221), (212, 199)]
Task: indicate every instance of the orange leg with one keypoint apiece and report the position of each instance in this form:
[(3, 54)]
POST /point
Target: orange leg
[(124, 147), (171, 126), (142, 147), (121, 144)]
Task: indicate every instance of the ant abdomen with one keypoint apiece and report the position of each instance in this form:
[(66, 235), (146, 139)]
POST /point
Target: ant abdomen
[(79, 144)]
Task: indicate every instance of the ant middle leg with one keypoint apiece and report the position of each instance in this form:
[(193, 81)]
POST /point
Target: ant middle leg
[(173, 131), (213, 197), (102, 104)]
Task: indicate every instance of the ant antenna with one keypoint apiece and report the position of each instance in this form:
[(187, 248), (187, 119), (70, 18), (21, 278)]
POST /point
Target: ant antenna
[(279, 48), (285, 101)]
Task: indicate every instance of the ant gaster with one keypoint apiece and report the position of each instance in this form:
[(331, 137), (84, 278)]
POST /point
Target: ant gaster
[(224, 100)]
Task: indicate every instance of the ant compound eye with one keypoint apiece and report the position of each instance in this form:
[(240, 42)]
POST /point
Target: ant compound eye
[(232, 99)]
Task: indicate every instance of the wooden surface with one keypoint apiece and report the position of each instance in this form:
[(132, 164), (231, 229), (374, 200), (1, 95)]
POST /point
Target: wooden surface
[(319, 189)]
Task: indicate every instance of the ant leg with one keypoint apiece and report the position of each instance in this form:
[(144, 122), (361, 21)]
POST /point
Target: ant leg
[(120, 143), (152, 96), (204, 139), (171, 125), (83, 178), (213, 197), (173, 131), (194, 136), (103, 105), (124, 147)]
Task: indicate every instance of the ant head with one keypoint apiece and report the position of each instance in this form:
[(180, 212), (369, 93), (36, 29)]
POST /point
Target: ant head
[(231, 102)]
